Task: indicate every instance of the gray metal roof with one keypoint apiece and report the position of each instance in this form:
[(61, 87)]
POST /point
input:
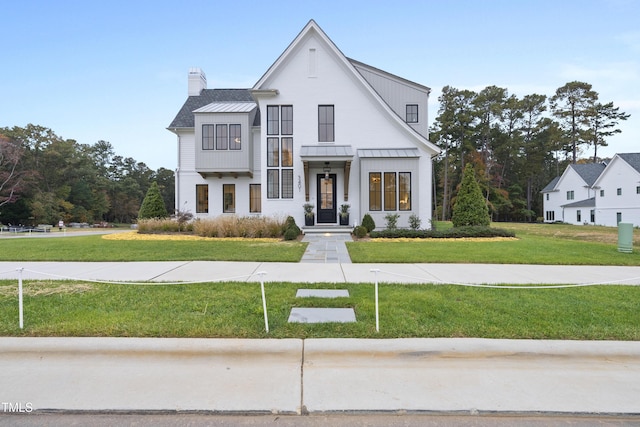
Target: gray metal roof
[(632, 158), (185, 119), (588, 203), (550, 186), (589, 172), (326, 151), (388, 153), (227, 107)]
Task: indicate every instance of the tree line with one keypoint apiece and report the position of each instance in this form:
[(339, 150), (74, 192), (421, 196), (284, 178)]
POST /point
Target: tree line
[(45, 178), (516, 145)]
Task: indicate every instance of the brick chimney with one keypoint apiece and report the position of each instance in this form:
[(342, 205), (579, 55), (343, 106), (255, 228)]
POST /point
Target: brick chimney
[(197, 81)]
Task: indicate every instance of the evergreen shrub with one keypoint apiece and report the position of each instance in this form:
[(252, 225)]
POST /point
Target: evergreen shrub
[(368, 223)]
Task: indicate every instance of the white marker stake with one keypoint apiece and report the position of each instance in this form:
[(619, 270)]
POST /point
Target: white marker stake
[(264, 300), (20, 297), (375, 272)]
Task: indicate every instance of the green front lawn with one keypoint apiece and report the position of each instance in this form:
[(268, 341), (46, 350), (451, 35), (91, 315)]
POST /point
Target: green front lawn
[(95, 248), (235, 310), (547, 244)]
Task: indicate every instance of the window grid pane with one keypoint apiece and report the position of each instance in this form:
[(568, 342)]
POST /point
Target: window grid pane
[(287, 183), (222, 139), (375, 191), (404, 183), (287, 152), (207, 137), (255, 198), (273, 159), (202, 198), (287, 120), (273, 184), (229, 198), (389, 191), (273, 120), (235, 137)]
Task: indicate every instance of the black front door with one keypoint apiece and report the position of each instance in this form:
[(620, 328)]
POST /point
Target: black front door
[(327, 199)]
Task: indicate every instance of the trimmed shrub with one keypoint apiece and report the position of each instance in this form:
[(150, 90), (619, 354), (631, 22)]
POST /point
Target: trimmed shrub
[(452, 233), (291, 230), (368, 223), (291, 234), (470, 207), (153, 204), (360, 231)]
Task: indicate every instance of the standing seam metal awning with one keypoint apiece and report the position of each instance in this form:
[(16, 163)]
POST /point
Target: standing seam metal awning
[(388, 152), (329, 152)]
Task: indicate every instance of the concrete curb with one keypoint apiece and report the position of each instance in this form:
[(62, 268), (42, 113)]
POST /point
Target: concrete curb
[(293, 376)]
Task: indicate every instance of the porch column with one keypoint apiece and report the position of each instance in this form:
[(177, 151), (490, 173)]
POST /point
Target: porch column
[(306, 180), (347, 171)]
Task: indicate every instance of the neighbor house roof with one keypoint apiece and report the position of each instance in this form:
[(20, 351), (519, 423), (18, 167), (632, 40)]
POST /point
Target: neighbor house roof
[(589, 172), (551, 186), (587, 203), (632, 158), (185, 118)]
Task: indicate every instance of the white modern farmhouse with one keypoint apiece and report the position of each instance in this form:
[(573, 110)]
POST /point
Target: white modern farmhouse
[(597, 193), (317, 128)]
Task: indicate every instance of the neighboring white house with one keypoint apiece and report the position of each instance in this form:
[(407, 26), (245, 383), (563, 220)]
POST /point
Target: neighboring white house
[(618, 191), (597, 193), (316, 128)]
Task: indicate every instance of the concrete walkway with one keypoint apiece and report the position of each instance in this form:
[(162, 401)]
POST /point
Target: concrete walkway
[(326, 247), (184, 271)]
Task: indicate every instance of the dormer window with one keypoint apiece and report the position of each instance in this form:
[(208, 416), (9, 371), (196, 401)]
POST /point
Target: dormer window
[(412, 113)]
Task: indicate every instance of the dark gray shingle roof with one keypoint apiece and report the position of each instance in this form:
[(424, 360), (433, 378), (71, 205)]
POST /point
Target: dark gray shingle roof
[(587, 203), (184, 118), (551, 185), (589, 172), (632, 158)]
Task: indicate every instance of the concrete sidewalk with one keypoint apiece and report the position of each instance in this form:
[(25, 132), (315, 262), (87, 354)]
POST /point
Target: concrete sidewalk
[(190, 271), (320, 375)]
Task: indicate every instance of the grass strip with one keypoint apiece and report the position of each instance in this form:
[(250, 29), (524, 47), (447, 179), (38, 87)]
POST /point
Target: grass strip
[(231, 309), (95, 248)]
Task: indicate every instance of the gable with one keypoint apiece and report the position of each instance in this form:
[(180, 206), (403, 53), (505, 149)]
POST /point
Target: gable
[(626, 165), (312, 71)]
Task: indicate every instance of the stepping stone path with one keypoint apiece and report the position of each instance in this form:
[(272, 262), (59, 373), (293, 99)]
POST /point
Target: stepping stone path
[(322, 315)]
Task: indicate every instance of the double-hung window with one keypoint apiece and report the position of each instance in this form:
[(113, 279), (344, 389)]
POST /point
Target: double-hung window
[(412, 113), (570, 195), (326, 125)]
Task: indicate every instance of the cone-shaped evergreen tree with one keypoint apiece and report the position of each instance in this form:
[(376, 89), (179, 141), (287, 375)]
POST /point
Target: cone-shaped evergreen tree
[(153, 205), (470, 207)]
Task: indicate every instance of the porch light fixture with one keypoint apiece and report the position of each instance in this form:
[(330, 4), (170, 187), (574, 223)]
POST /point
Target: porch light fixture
[(326, 170)]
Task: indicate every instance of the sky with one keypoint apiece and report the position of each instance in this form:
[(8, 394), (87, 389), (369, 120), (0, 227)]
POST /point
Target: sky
[(117, 70)]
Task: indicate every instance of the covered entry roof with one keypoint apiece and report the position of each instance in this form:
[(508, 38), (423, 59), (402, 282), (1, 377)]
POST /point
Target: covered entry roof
[(389, 153), (326, 152)]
